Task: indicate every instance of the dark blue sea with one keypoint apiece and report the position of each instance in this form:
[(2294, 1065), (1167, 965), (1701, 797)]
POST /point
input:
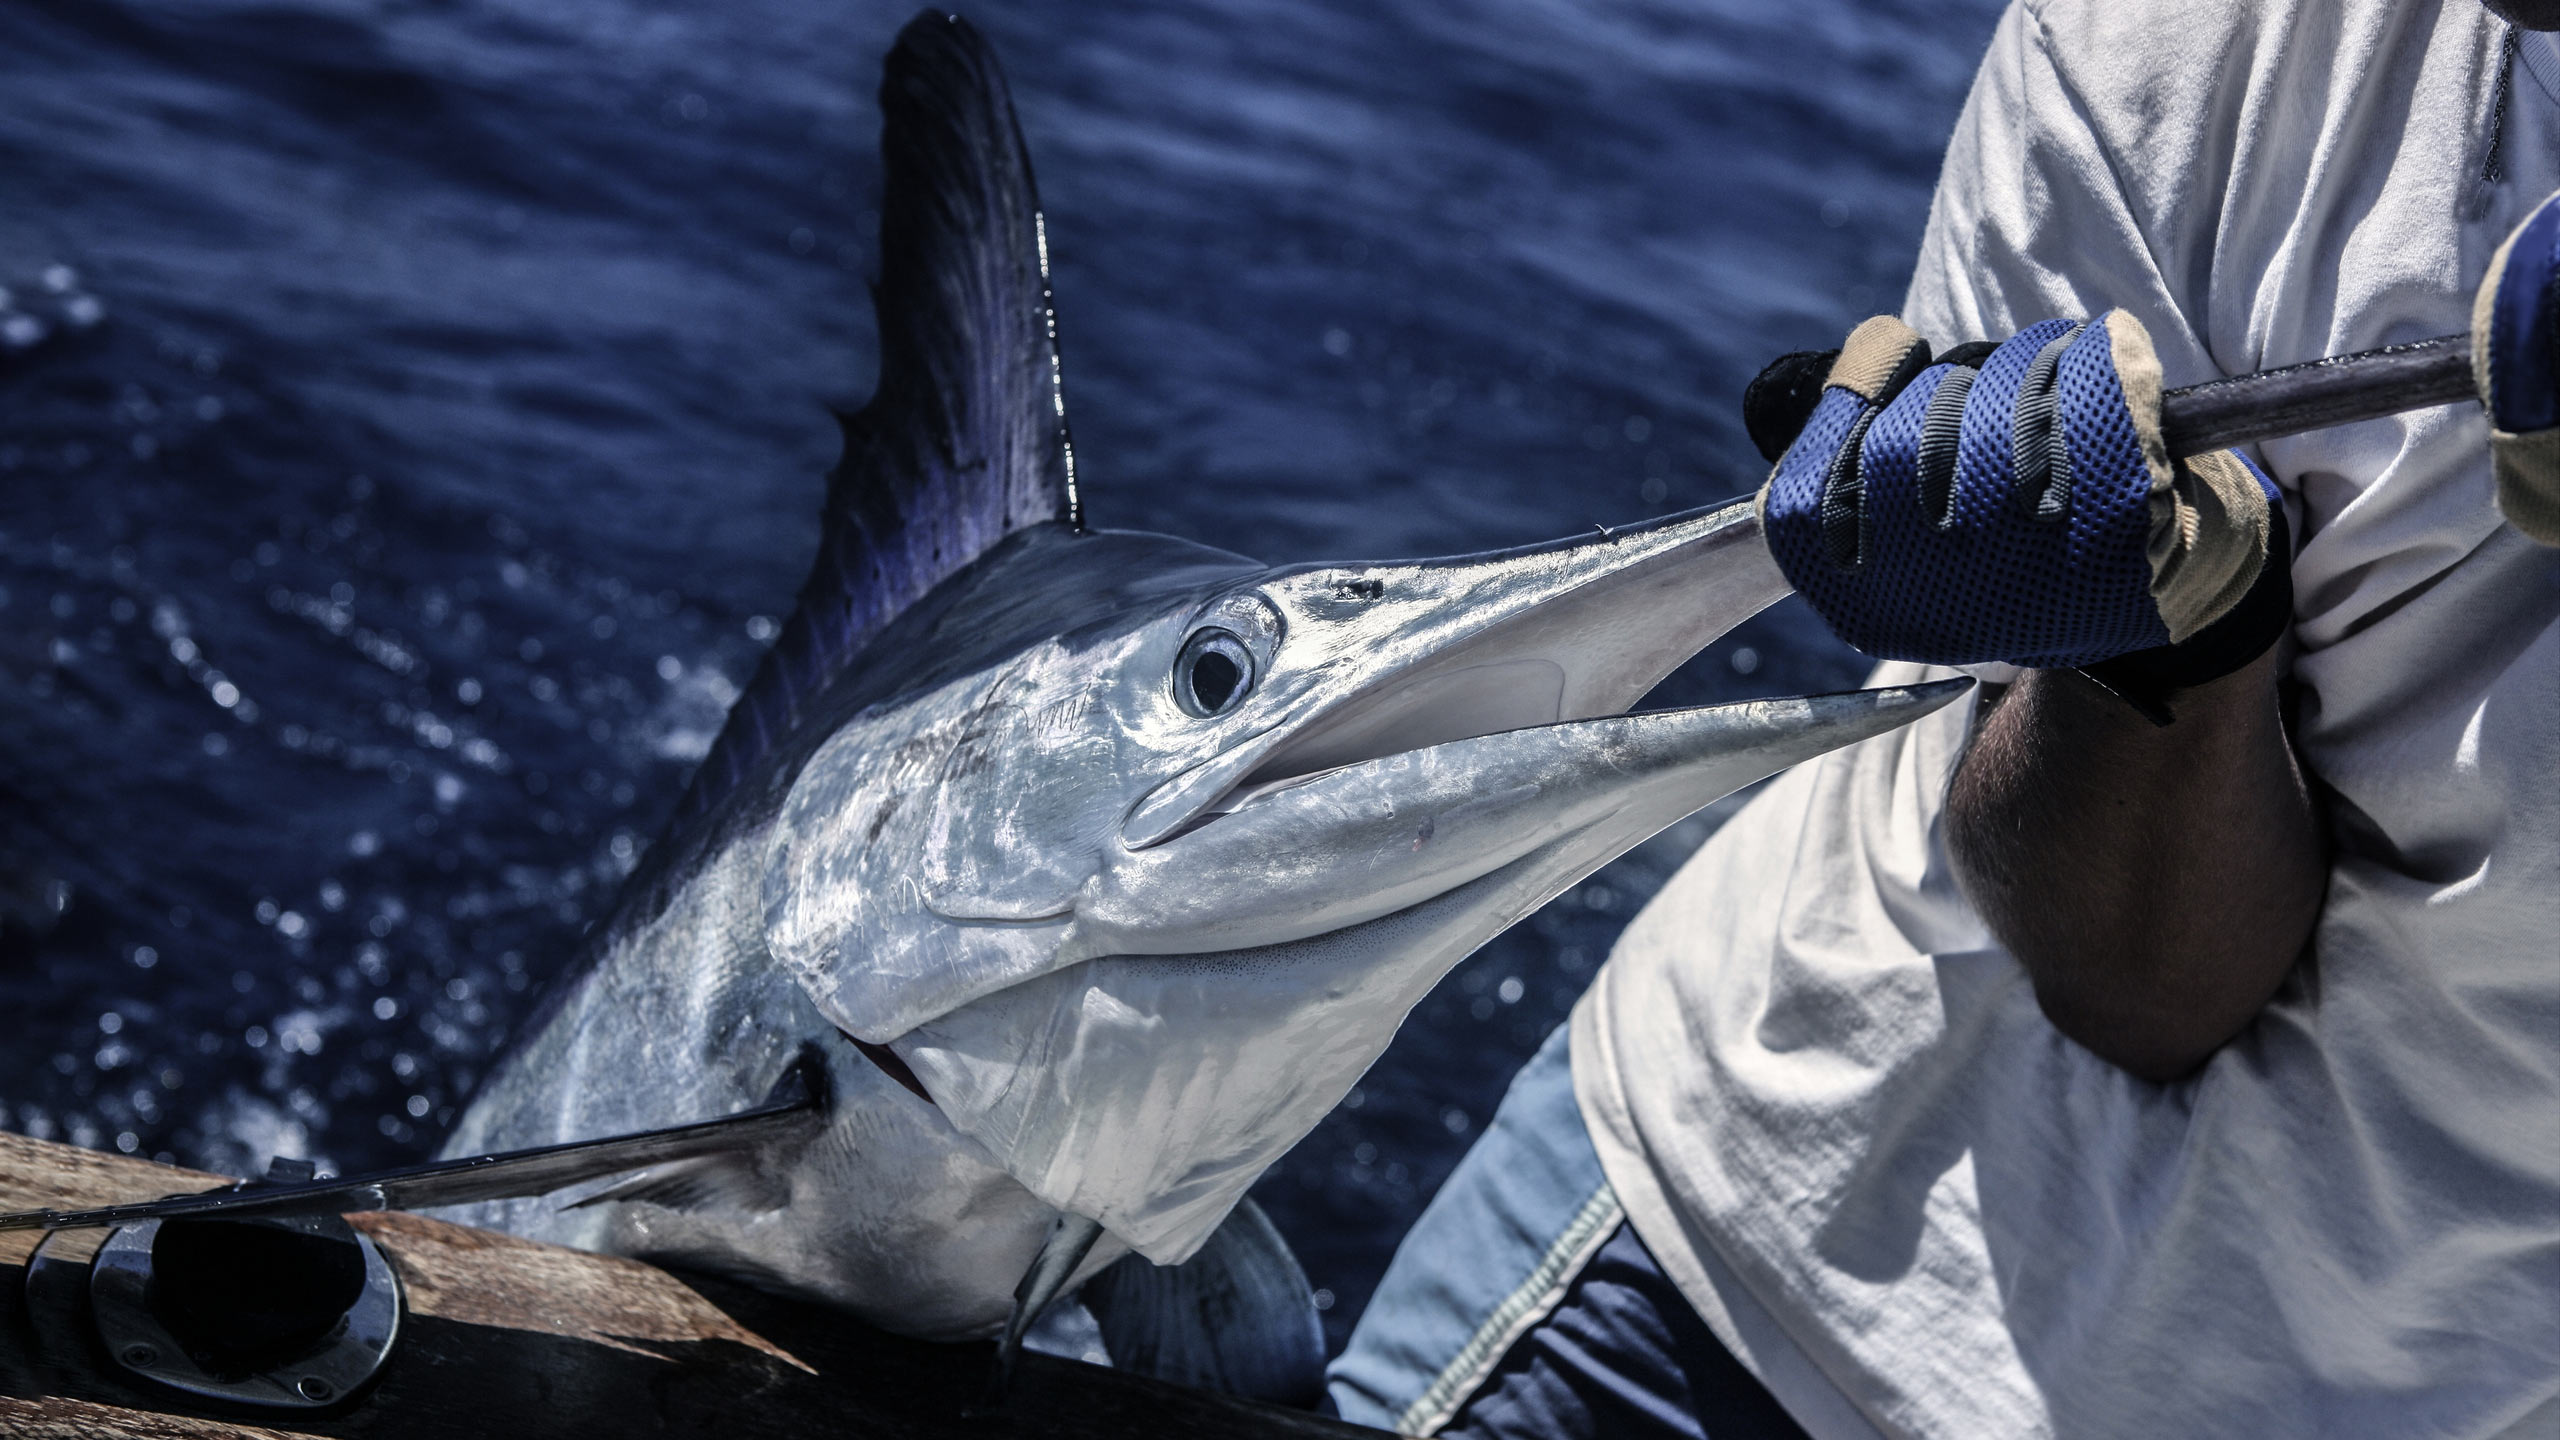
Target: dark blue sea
[(413, 415)]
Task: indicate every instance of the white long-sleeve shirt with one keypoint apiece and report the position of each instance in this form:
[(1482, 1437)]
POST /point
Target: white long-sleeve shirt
[(1825, 1092)]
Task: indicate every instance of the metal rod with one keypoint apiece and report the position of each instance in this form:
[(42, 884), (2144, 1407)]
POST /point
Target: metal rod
[(2339, 390), (795, 1104)]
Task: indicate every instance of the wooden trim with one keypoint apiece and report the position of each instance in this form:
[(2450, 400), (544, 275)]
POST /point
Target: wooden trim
[(508, 1337)]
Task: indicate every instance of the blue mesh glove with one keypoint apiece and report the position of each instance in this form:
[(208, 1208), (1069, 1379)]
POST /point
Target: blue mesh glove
[(2016, 503), (2515, 355)]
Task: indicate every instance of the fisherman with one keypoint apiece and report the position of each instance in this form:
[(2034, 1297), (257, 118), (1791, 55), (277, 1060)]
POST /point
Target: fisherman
[(2168, 1042)]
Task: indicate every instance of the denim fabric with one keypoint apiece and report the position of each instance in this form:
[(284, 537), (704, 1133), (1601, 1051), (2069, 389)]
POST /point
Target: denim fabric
[(1623, 1358), (1520, 1305), (1432, 1330)]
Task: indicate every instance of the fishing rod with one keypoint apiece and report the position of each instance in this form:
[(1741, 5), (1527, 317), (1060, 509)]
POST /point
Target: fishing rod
[(2237, 410), (793, 1106), (2337, 390), (2195, 419)]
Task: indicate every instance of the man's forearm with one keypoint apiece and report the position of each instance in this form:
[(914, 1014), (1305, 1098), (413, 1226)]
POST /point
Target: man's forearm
[(2157, 883)]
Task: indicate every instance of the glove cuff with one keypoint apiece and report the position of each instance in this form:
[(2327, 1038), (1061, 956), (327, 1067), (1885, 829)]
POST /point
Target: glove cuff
[(2149, 679)]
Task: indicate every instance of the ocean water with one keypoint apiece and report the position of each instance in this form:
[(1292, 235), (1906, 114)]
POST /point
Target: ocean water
[(413, 415)]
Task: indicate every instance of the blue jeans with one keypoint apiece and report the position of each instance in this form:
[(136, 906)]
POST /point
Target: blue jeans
[(1522, 1305)]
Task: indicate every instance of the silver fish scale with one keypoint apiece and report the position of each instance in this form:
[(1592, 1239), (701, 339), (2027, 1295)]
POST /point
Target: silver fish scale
[(1132, 953)]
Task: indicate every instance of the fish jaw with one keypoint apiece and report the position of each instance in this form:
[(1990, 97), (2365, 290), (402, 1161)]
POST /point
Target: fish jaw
[(942, 847), (1298, 857), (1394, 657), (1149, 1091)]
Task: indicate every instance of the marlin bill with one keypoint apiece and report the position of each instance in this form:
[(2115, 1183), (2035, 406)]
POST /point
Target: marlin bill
[(1087, 870)]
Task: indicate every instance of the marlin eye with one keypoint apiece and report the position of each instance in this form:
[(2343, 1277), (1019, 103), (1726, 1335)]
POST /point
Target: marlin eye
[(1213, 674)]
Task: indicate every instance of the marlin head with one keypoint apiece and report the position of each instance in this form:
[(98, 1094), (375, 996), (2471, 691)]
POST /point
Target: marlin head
[(1131, 854), (1139, 901)]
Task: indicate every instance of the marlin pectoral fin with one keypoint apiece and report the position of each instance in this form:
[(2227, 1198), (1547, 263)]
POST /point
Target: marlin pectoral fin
[(1070, 1240), (1237, 1317), (707, 1182)]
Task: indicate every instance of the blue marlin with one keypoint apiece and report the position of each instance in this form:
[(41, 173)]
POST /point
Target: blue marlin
[(1092, 867)]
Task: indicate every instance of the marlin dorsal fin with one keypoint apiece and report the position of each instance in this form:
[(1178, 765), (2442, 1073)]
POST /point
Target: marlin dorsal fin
[(965, 438)]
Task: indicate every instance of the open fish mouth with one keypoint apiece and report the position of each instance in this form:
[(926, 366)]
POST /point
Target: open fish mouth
[(1415, 654), (1475, 720), (1246, 793), (1397, 738), (1410, 758), (1509, 818), (1354, 841), (1245, 972)]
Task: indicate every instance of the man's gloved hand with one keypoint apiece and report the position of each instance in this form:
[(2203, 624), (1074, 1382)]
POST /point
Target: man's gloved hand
[(2515, 355), (2016, 503)]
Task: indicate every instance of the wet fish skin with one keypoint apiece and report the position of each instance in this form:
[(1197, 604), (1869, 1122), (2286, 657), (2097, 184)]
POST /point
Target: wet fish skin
[(1075, 937), (919, 876)]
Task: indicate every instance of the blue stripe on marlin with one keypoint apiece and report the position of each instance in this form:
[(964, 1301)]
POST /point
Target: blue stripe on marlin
[(1096, 866)]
